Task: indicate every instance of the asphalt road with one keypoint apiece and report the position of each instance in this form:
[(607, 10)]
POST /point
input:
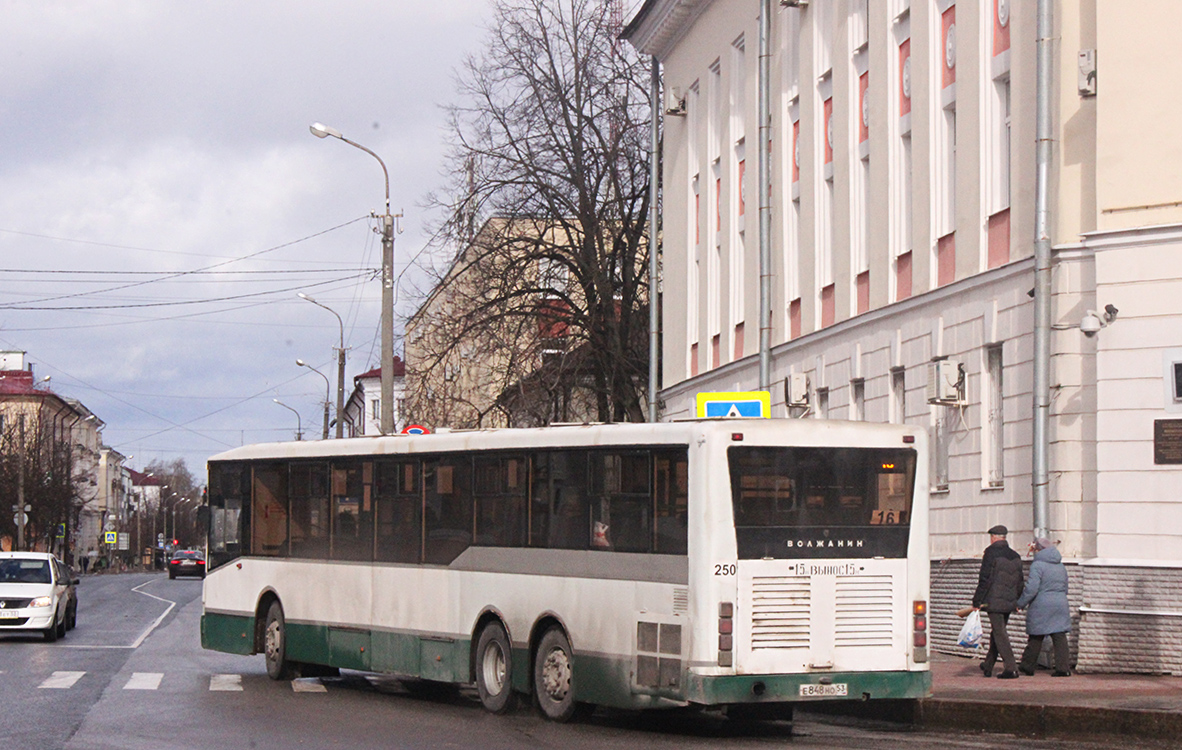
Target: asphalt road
[(133, 676)]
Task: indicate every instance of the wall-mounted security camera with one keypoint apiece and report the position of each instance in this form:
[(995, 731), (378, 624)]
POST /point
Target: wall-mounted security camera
[(1091, 324)]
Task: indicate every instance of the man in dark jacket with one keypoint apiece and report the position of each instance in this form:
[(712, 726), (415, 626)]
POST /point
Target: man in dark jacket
[(998, 587)]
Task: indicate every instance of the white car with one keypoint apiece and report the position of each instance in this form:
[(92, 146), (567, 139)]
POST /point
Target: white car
[(37, 593)]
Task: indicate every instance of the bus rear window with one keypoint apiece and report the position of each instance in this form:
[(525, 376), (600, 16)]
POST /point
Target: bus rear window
[(821, 502)]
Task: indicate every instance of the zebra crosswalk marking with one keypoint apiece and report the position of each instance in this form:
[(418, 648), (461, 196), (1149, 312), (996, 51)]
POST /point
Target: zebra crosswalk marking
[(229, 682), (144, 681), (308, 685), (61, 680)]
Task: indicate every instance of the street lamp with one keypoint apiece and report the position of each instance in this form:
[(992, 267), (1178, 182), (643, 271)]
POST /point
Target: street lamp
[(182, 501), (327, 386), (387, 401), (299, 422), (340, 366)]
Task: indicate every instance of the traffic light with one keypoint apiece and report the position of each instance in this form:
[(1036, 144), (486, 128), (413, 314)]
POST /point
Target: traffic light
[(175, 542)]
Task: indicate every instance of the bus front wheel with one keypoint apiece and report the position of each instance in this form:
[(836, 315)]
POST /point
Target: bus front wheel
[(494, 665), (553, 676), (275, 645)]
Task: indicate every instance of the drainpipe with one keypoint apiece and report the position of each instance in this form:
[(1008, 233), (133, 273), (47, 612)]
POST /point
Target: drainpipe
[(765, 203), (1042, 272), (654, 174)]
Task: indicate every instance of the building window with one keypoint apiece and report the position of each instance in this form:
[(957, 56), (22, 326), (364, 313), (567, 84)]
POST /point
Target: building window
[(822, 403), (901, 162), (898, 413), (944, 194), (858, 400), (993, 405)]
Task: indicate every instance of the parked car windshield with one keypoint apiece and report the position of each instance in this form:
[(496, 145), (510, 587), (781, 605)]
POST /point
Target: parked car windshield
[(18, 570)]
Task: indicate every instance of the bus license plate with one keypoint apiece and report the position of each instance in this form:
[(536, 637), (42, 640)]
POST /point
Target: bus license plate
[(824, 691)]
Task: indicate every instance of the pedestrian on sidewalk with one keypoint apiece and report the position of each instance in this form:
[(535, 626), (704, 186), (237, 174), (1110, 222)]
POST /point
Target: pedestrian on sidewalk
[(1047, 612), (999, 585)]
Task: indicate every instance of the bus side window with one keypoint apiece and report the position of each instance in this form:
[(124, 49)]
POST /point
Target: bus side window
[(560, 489), (268, 528), (499, 494), (671, 503), (308, 488), (447, 508), (622, 504), (352, 532), (399, 503)]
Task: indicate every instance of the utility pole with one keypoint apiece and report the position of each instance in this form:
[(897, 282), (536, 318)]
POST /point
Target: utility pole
[(20, 507)]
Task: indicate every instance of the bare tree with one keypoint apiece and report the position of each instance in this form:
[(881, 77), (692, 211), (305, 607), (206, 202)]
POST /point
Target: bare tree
[(37, 461), (550, 159)]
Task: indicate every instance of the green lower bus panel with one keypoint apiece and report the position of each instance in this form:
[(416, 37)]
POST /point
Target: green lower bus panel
[(230, 633)]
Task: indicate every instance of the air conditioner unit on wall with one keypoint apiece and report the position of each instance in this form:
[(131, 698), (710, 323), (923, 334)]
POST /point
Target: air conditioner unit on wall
[(796, 389), (946, 383)]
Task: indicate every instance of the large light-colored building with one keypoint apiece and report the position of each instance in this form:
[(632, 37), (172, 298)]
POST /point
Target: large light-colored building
[(903, 213), (491, 345), (53, 437)]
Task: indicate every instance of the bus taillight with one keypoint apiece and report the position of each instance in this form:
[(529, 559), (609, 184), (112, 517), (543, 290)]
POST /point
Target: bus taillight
[(919, 642), (726, 639)]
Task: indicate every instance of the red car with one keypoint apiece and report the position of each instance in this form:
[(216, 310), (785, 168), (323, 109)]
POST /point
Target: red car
[(186, 562)]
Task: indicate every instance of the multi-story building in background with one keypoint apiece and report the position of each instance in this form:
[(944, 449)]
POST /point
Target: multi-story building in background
[(49, 457), (363, 409), (489, 347), (903, 168)]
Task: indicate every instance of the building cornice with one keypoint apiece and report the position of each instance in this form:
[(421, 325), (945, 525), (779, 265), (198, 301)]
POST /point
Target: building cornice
[(1146, 235), (660, 24)]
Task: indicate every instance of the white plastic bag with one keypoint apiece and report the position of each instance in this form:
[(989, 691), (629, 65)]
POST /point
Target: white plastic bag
[(970, 634)]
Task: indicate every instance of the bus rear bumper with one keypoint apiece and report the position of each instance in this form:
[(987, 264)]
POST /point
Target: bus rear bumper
[(713, 690)]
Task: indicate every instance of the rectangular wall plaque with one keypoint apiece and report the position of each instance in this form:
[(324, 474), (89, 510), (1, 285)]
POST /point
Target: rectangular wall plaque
[(1167, 441)]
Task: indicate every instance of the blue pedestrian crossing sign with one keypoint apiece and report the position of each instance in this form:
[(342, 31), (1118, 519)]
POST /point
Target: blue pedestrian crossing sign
[(735, 404), (110, 537)]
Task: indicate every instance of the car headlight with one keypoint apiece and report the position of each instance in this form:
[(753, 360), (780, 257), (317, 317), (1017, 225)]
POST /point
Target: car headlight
[(41, 601)]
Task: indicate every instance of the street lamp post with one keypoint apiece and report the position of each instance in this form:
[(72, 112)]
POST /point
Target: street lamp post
[(387, 401), (340, 366), (327, 386), (175, 535), (299, 422)]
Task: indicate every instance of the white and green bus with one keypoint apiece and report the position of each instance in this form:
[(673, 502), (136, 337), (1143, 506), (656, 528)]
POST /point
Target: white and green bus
[(717, 563)]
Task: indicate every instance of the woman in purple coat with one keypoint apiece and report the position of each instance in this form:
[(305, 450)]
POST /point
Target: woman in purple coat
[(1047, 613)]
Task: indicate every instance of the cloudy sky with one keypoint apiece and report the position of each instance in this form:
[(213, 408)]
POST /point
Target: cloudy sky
[(162, 200)]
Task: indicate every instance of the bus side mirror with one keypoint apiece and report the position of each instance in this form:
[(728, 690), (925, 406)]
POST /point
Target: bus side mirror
[(203, 517)]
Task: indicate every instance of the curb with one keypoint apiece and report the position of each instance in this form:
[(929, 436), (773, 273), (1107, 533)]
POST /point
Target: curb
[(1048, 720), (1014, 718)]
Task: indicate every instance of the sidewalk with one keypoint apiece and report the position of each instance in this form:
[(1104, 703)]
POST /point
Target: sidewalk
[(1143, 706)]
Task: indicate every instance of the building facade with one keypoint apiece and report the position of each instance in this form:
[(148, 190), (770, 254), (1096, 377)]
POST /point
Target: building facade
[(49, 456), (363, 409), (902, 152)]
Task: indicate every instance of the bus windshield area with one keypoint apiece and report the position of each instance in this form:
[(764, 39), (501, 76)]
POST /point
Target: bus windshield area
[(801, 502)]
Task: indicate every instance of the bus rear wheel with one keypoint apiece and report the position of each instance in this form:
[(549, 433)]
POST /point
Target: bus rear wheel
[(494, 665), (554, 676), (275, 645)]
